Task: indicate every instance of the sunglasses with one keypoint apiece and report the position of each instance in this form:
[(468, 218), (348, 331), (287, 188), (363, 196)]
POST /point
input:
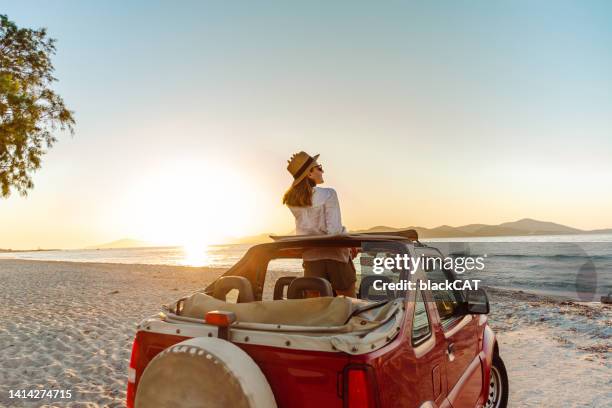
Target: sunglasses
[(319, 167)]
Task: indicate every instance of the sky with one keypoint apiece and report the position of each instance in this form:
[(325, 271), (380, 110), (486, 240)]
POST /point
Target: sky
[(424, 113)]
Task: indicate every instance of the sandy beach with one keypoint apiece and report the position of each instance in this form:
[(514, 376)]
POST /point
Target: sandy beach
[(70, 326)]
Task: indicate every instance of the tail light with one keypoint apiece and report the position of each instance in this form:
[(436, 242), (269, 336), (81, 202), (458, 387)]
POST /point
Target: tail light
[(131, 386), (359, 388), (220, 318)]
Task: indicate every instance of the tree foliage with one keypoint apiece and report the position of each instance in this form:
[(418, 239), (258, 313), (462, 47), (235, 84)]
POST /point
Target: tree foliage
[(30, 111)]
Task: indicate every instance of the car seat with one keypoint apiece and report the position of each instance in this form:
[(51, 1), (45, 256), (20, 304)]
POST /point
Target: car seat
[(226, 283), (299, 286), (367, 283), (280, 285)]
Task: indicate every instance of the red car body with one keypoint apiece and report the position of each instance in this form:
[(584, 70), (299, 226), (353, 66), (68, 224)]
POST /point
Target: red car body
[(451, 368)]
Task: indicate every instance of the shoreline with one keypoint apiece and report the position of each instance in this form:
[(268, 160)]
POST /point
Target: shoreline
[(11, 251), (118, 264), (560, 296), (70, 325)]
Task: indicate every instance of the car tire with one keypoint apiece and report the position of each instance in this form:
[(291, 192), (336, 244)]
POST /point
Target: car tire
[(497, 394), (203, 372)]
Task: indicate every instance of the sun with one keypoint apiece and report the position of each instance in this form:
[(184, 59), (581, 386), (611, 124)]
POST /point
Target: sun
[(192, 204), (195, 255)]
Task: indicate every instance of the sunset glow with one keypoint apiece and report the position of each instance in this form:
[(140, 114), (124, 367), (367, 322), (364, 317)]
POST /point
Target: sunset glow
[(499, 116), (190, 204)]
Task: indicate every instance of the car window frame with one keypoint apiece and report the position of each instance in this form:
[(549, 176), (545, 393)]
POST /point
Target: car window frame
[(416, 343), (449, 323)]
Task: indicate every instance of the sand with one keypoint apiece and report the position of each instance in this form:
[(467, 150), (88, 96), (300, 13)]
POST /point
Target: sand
[(70, 326), (557, 352)]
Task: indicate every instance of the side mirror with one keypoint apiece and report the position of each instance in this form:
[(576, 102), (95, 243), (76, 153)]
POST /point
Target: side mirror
[(477, 302)]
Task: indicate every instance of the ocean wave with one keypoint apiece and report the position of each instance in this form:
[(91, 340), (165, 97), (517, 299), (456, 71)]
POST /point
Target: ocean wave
[(553, 257)]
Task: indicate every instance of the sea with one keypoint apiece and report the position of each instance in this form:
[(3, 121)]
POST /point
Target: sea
[(574, 266)]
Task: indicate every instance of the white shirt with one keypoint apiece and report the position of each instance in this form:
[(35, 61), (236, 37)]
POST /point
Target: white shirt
[(322, 218)]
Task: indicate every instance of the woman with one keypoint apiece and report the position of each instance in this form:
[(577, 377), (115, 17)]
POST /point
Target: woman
[(317, 211)]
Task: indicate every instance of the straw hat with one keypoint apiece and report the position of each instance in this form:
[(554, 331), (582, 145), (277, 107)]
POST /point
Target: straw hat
[(300, 165)]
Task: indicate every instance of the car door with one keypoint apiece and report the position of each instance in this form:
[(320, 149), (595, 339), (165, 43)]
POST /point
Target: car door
[(463, 365), (428, 344)]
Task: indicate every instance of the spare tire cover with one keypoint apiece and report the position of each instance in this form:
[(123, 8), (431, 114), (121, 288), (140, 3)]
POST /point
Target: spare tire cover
[(204, 372)]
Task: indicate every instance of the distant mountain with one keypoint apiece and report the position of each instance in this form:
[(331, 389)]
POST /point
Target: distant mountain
[(540, 227), (380, 228), (525, 226), (601, 231), (443, 231), (494, 231), (471, 228), (122, 243)]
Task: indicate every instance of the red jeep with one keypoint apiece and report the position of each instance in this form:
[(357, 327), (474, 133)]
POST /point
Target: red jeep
[(279, 345)]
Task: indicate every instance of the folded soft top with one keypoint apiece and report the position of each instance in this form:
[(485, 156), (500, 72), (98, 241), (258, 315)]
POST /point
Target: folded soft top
[(317, 312), (325, 323)]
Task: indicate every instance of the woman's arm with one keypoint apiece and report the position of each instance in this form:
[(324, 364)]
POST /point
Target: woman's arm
[(333, 219)]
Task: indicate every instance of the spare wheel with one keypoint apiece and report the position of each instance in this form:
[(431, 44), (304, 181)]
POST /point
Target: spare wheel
[(203, 372)]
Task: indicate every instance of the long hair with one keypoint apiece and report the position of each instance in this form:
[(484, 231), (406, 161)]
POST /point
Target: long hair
[(300, 195)]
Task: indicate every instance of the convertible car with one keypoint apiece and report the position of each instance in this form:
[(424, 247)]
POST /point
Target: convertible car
[(262, 335)]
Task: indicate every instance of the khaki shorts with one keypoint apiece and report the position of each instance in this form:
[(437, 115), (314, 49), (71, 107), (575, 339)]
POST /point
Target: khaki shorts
[(341, 275)]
